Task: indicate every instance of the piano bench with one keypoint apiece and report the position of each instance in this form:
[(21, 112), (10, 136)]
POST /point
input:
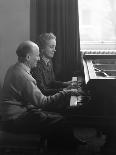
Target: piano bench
[(22, 144)]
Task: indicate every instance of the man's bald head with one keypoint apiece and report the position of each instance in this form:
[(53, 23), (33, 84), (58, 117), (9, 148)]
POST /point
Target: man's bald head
[(28, 53), (25, 47)]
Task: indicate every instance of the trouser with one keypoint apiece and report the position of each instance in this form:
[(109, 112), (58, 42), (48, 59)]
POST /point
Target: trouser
[(51, 125)]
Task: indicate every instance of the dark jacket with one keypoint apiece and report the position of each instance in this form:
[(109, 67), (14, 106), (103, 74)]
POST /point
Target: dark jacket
[(44, 75)]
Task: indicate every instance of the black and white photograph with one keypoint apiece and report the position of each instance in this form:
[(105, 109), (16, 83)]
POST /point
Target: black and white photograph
[(57, 77)]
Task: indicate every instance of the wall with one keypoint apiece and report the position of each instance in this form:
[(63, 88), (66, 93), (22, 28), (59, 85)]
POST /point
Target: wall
[(14, 28)]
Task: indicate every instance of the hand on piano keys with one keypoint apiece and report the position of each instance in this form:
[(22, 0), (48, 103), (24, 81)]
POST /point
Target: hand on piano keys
[(81, 97), (72, 92), (72, 85), (76, 83)]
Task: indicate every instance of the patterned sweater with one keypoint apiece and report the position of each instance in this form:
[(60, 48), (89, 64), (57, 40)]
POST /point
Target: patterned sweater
[(45, 78)]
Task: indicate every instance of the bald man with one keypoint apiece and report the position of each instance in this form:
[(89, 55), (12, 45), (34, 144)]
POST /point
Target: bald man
[(24, 108)]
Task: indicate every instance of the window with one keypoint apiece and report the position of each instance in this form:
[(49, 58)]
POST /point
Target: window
[(97, 21)]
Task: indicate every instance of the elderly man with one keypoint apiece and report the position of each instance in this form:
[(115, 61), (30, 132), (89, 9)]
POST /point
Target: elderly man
[(24, 107), (44, 73)]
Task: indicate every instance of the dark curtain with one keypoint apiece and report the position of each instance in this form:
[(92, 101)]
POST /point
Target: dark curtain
[(61, 18)]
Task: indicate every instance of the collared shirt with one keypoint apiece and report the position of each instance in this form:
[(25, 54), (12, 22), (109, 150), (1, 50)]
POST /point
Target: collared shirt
[(45, 60)]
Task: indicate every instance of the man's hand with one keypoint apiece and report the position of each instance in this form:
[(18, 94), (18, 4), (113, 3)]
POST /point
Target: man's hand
[(67, 83), (72, 85), (73, 92)]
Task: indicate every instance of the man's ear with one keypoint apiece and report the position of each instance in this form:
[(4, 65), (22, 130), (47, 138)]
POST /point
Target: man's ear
[(27, 57)]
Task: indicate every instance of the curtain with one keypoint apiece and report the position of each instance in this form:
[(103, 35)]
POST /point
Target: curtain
[(61, 18)]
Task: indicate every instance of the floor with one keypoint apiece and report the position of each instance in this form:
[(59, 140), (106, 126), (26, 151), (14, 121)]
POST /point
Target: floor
[(95, 146), (82, 150)]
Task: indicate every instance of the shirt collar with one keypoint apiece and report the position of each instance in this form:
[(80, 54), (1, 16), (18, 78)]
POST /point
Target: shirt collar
[(45, 59)]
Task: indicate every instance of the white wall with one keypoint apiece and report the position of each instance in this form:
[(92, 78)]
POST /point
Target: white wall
[(14, 28)]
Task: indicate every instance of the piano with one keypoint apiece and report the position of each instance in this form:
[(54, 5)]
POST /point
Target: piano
[(100, 81)]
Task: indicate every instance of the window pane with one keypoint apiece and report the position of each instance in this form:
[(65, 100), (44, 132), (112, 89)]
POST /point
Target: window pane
[(97, 21)]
